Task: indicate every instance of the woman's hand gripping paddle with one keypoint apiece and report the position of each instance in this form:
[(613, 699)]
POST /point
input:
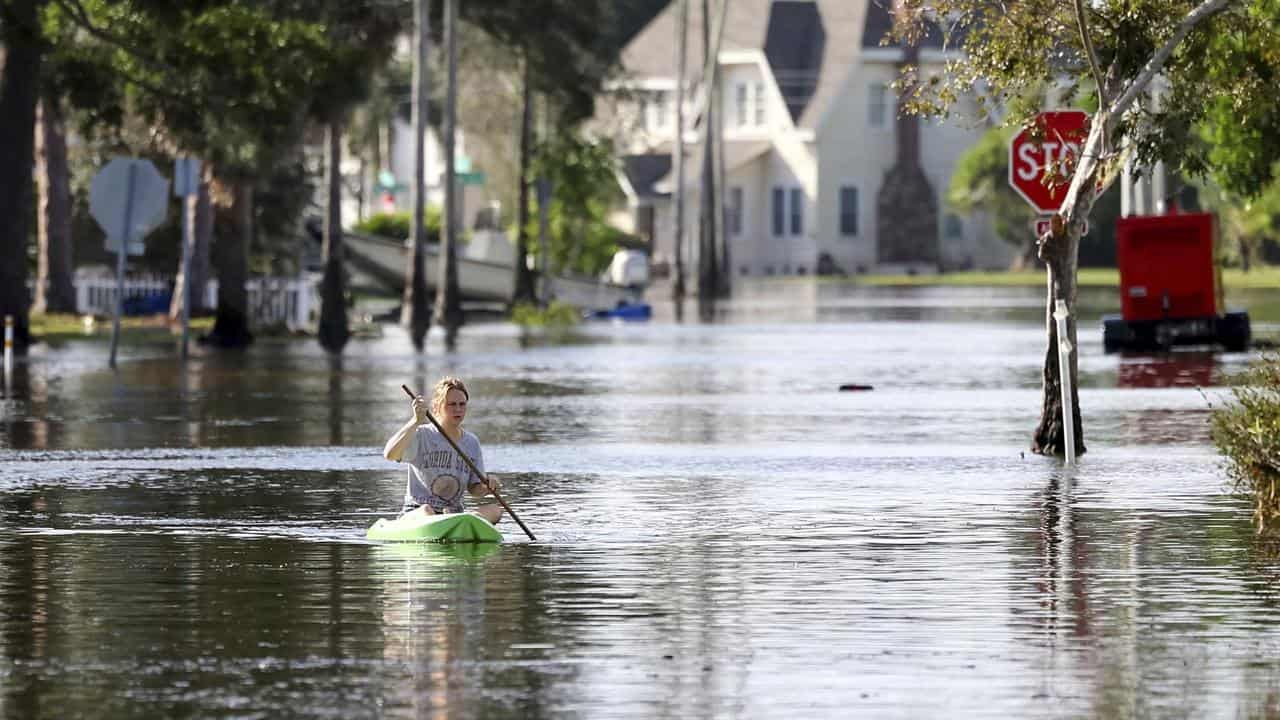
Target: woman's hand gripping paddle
[(473, 467)]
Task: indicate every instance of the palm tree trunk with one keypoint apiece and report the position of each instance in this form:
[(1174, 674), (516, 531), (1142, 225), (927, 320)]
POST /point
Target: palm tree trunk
[(448, 310), (524, 290), (333, 331), (19, 79), (414, 314), (55, 291), (677, 287), (231, 320)]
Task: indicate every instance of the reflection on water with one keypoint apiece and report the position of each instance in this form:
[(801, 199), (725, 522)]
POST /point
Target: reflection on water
[(722, 533)]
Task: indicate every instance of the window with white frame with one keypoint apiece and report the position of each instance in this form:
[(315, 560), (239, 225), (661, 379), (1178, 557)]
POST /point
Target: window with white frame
[(740, 104), (660, 109), (797, 211), (779, 210), (849, 211), (878, 105), (733, 213), (952, 226), (761, 109)]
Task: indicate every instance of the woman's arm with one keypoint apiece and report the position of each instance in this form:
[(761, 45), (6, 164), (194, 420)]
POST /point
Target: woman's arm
[(395, 447), (479, 490)]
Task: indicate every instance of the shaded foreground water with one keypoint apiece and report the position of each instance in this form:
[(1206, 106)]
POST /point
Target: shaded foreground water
[(720, 532)]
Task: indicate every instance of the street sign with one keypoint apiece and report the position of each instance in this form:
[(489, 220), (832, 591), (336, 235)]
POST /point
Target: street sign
[(129, 198), (1041, 226), (186, 177), (1043, 156)]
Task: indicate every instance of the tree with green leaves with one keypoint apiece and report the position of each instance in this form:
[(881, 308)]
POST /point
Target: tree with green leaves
[(980, 183), (565, 63), (1217, 58), (584, 182)]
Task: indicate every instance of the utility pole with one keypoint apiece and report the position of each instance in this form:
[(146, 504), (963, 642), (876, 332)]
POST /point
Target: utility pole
[(708, 274), (448, 311), (720, 239), (677, 287), (524, 284), (413, 309)]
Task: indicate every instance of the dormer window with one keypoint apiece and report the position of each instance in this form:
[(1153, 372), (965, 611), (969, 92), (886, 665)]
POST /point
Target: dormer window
[(659, 110)]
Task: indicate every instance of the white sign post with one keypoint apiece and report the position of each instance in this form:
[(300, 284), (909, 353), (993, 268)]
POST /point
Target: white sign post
[(128, 198), (186, 182)]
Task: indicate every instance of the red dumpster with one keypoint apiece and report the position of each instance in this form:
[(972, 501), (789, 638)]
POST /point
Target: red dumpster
[(1170, 286)]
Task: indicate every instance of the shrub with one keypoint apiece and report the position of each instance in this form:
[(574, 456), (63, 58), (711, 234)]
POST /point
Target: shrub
[(396, 225), (557, 315), (1247, 433)]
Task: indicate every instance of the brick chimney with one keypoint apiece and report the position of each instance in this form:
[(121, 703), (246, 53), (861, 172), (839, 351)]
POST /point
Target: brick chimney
[(907, 217)]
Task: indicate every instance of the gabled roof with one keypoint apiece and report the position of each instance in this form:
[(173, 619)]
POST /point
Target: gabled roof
[(793, 44), (736, 154), (643, 171), (811, 45)]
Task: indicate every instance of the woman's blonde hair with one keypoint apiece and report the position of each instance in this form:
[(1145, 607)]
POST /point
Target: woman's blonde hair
[(442, 389)]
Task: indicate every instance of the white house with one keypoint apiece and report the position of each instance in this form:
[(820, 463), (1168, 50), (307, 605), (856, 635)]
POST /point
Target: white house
[(820, 173)]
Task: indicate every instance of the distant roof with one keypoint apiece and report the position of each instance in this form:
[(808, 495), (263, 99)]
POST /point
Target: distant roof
[(736, 154), (811, 45), (642, 171), (793, 44)]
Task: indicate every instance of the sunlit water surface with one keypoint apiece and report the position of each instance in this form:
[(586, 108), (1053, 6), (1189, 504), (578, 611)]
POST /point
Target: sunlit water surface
[(720, 531)]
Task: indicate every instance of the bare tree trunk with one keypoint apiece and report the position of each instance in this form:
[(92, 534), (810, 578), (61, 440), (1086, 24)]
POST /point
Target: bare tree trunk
[(231, 320), (199, 210), (524, 290), (55, 291), (333, 331), (677, 287), (1060, 253), (190, 207), (201, 253), (414, 313), (19, 80), (448, 310)]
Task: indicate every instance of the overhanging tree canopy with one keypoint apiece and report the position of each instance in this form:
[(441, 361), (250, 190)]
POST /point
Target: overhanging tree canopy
[(1216, 62)]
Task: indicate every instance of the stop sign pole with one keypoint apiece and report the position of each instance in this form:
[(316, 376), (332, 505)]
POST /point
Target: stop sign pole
[(125, 236), (128, 198)]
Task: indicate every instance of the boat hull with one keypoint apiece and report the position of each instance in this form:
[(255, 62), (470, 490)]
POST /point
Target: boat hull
[(450, 528)]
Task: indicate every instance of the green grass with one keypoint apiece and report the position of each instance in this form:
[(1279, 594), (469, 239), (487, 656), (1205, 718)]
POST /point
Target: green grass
[(1266, 278), (68, 327), (1088, 277)]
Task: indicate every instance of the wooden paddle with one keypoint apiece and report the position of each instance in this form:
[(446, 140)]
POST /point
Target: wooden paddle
[(473, 467)]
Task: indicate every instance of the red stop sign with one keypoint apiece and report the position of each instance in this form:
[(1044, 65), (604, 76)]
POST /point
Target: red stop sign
[(1043, 156)]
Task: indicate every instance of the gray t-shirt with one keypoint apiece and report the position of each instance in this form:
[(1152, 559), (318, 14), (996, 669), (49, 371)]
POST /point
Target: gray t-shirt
[(437, 476)]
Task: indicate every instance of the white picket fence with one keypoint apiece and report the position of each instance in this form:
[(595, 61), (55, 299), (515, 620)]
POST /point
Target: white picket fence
[(290, 301)]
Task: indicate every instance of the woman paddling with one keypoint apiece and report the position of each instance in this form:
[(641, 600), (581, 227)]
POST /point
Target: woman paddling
[(437, 475)]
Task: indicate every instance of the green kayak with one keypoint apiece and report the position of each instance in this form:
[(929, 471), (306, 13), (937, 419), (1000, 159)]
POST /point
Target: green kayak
[(451, 528)]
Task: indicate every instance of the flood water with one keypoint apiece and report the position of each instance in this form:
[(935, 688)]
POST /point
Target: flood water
[(721, 533)]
